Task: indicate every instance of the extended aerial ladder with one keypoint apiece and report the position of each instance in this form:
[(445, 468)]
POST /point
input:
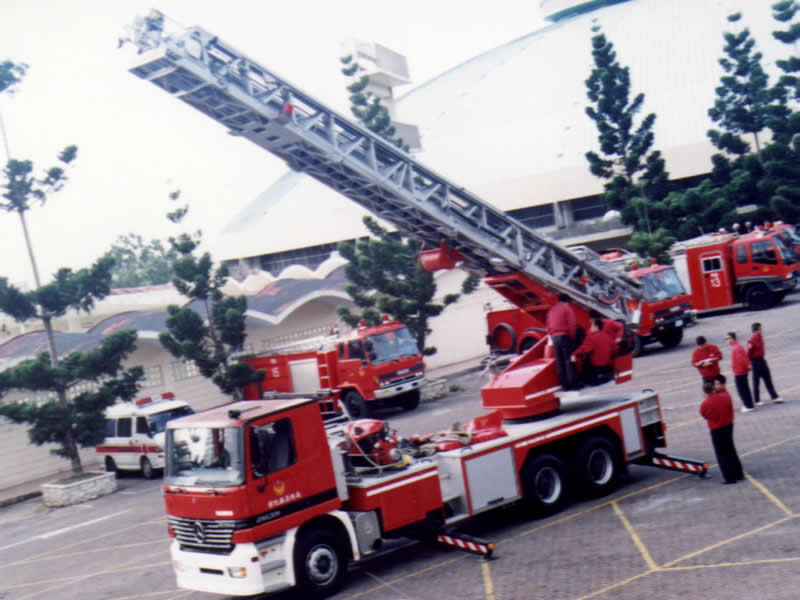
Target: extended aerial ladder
[(457, 227)]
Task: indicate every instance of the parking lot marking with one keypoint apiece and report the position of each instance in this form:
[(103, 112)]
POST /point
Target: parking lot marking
[(635, 537), (763, 489), (45, 536), (441, 565), (487, 580), (727, 541), (614, 586), (744, 563)]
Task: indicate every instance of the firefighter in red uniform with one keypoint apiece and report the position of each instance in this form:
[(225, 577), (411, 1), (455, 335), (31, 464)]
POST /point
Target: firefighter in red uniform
[(561, 327), (706, 358), (598, 349), (740, 365), (755, 350), (717, 410)]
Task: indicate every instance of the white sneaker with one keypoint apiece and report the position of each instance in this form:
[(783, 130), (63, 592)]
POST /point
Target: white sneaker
[(778, 400), (745, 409), (757, 404)]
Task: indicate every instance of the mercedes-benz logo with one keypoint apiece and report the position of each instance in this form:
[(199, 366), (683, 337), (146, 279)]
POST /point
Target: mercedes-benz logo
[(199, 532)]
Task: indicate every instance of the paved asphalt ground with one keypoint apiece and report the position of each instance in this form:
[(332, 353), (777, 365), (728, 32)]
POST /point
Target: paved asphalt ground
[(660, 535)]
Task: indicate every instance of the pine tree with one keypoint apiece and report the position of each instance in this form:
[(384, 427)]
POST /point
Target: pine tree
[(782, 157), (786, 12), (211, 330), (745, 102), (385, 278), (366, 106), (69, 422), (636, 177)]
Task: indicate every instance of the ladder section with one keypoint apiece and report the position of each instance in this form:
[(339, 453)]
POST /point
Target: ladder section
[(251, 101)]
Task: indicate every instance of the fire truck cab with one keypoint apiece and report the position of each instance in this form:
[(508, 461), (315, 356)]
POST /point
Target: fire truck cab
[(724, 269), (134, 438)]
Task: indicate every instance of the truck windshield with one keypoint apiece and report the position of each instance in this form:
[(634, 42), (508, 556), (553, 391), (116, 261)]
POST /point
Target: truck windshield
[(158, 421), (661, 285), (204, 456), (391, 345), (784, 243)]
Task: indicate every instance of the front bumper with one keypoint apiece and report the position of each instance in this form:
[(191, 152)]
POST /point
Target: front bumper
[(203, 572), (393, 390)]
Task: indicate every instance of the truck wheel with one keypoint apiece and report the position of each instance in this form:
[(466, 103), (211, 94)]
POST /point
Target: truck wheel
[(319, 564), (597, 466), (759, 296), (147, 468), (544, 484), (111, 466), (356, 405), (410, 400), (671, 338)]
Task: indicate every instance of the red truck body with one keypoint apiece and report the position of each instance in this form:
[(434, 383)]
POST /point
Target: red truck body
[(375, 366), (726, 270)]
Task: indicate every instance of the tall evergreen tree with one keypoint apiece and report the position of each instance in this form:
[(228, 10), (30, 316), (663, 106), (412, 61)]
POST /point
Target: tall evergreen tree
[(366, 106), (745, 102), (786, 12), (782, 157), (213, 332), (636, 177), (68, 422), (385, 278)]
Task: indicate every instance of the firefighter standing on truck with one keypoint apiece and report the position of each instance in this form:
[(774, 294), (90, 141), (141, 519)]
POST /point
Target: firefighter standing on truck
[(706, 358), (598, 348), (561, 327)]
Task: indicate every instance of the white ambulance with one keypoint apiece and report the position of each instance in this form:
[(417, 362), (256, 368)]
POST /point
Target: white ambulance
[(134, 439)]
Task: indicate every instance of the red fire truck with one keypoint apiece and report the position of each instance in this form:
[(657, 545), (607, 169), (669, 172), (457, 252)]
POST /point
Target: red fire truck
[(724, 270), (373, 367), (262, 496), (665, 311)]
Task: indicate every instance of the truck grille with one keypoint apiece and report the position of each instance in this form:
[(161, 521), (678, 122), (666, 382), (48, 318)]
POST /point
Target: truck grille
[(204, 535)]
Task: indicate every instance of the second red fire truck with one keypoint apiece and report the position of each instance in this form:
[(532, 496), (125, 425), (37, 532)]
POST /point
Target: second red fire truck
[(724, 270), (374, 366)]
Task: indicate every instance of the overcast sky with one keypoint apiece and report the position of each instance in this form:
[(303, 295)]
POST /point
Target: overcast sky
[(136, 144)]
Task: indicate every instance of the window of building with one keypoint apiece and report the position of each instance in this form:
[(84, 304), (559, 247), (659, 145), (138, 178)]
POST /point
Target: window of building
[(183, 369), (152, 377)]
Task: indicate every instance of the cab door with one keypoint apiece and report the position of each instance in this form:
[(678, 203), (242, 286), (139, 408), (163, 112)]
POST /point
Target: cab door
[(717, 289)]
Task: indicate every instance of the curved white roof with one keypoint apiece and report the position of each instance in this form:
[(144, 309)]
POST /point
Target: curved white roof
[(510, 124)]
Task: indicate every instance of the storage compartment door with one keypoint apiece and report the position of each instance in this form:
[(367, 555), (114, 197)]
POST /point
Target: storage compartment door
[(305, 375), (492, 479)]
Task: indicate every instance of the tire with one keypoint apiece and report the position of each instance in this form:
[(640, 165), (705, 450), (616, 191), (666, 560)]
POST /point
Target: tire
[(596, 466), (759, 296), (147, 469), (500, 331), (356, 406), (111, 466), (319, 563), (638, 346), (410, 400), (544, 484), (671, 338)]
